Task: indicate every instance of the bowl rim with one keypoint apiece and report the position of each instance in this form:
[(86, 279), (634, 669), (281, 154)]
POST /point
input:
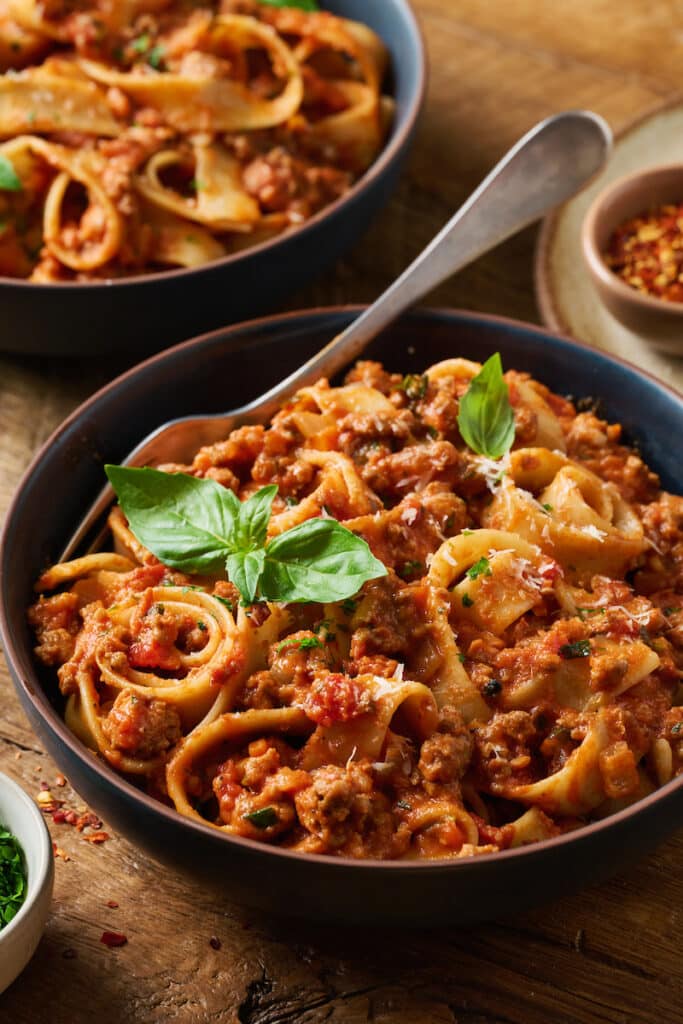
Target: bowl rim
[(593, 257), (43, 848), (384, 159), (106, 775)]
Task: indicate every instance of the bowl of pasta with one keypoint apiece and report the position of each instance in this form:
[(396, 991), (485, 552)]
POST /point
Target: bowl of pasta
[(169, 167), (408, 654)]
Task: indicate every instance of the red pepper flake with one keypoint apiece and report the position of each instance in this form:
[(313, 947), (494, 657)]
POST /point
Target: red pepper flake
[(59, 852), (113, 939), (97, 837), (112, 904), (60, 780), (88, 820), (44, 785), (215, 942), (647, 252)]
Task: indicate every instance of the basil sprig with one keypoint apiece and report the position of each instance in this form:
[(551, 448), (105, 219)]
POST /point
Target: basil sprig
[(9, 179), (304, 5), (198, 526), (485, 417), (12, 877)]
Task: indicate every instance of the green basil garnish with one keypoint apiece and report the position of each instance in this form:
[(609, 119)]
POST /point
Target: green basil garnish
[(9, 179), (198, 526), (485, 417)]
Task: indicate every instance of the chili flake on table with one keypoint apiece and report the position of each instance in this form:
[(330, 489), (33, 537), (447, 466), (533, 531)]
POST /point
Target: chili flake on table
[(647, 252)]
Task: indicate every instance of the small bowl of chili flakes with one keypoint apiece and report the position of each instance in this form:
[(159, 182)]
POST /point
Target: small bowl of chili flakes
[(632, 239)]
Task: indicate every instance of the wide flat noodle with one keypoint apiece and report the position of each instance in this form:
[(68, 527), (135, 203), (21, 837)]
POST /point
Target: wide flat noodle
[(220, 200), (213, 104), (42, 100)]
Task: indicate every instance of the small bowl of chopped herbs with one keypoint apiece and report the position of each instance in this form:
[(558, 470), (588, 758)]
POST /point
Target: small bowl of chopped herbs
[(26, 879)]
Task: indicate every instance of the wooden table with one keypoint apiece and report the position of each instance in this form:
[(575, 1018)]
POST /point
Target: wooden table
[(609, 954)]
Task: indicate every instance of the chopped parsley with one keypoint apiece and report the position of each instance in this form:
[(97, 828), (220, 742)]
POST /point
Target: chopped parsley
[(415, 386), (461, 658), (224, 601), (263, 818), (411, 568), (671, 609), (9, 179), (467, 601), (676, 728), (547, 507), (155, 58), (583, 612), (577, 649), (480, 568), (305, 643), (201, 625), (349, 606), (12, 876), (141, 44)]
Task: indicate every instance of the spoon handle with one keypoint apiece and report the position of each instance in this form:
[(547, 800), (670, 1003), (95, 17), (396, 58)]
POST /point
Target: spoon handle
[(547, 166)]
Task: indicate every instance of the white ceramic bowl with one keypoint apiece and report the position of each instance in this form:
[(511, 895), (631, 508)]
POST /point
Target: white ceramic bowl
[(18, 939)]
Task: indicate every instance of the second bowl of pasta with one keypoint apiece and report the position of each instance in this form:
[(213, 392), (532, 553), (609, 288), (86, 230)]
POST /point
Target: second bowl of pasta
[(167, 167)]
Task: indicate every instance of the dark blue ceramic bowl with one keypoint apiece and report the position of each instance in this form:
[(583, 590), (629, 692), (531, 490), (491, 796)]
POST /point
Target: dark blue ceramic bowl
[(145, 313), (217, 372)]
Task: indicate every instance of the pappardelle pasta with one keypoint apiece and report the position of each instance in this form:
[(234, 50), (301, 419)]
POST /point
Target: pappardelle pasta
[(511, 673), (152, 134)]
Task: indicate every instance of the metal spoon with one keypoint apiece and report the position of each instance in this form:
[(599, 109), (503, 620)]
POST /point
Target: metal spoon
[(547, 166)]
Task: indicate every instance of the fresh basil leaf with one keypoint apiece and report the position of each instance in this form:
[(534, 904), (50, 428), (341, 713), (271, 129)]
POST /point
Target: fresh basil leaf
[(319, 560), (485, 417), (244, 570), (189, 524), (303, 5), (9, 179), (253, 517)]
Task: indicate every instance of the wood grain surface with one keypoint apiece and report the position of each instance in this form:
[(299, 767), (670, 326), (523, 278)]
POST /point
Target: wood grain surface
[(609, 954)]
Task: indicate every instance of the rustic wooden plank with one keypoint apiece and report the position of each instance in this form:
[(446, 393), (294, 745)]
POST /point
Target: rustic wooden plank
[(609, 954)]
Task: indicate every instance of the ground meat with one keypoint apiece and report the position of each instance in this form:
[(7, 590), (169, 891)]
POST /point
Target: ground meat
[(663, 523), (361, 434), (155, 634), (341, 809), (389, 620), (295, 660), (373, 375), (595, 443), (372, 664), (504, 746), (140, 726), (441, 758), (406, 535), (281, 182), (445, 756), (56, 622), (392, 475), (238, 452)]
